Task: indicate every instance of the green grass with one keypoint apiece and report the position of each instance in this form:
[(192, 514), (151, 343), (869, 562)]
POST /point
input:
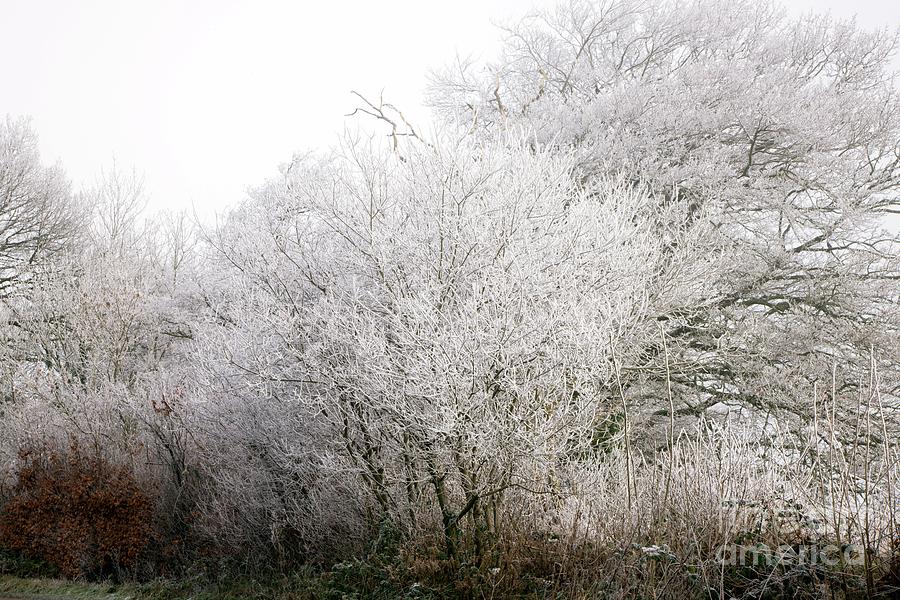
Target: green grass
[(57, 589), (52, 589)]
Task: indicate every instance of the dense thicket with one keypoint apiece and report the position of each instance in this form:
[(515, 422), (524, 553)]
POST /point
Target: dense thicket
[(636, 301)]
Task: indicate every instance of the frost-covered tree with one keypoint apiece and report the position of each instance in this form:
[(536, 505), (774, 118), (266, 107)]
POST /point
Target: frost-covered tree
[(447, 324), (38, 217), (780, 133)]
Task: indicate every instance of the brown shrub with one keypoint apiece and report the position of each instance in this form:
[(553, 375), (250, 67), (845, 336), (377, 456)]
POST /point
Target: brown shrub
[(78, 512)]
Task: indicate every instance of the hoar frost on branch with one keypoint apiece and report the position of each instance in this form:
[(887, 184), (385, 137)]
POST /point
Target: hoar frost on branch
[(452, 317), (782, 134), (38, 217)]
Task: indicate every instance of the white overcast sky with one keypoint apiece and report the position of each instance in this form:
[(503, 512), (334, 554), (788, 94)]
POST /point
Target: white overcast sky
[(207, 97)]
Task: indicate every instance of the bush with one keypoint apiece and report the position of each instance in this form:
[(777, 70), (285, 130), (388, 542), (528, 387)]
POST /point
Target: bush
[(16, 564), (78, 512)]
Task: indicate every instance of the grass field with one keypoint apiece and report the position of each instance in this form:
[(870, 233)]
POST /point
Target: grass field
[(53, 589), (15, 588)]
